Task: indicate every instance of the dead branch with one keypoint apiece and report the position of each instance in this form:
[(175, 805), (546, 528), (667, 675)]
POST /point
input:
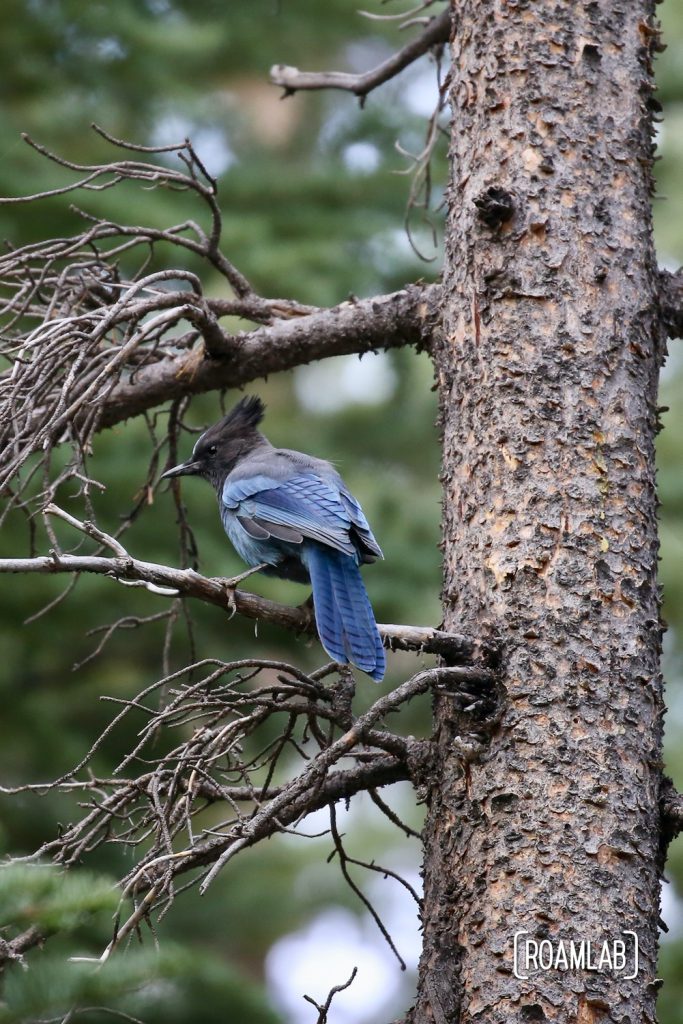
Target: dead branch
[(436, 32), (201, 748), (12, 951), (166, 581), (403, 318), (100, 177), (292, 80), (288, 803), (162, 579), (324, 1008), (214, 761)]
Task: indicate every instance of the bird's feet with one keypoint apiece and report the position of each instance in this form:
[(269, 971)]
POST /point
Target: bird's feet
[(229, 584)]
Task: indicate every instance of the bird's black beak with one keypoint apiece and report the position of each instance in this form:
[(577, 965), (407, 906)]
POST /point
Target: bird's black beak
[(184, 469)]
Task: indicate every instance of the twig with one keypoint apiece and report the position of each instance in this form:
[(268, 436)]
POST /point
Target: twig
[(324, 1009), (392, 816), (141, 911), (88, 528), (292, 80), (344, 860)]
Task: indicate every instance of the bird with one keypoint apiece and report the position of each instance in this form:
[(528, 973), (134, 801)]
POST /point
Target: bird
[(292, 515)]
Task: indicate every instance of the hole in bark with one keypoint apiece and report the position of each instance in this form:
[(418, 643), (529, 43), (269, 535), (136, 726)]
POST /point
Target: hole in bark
[(591, 54), (504, 802), (495, 206), (533, 1011)]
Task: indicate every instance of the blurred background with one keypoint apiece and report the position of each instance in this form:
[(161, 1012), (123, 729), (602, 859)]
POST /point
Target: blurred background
[(314, 194)]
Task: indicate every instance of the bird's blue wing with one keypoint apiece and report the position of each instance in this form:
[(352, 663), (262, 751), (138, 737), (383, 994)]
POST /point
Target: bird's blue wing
[(305, 506), (362, 527), (236, 491)]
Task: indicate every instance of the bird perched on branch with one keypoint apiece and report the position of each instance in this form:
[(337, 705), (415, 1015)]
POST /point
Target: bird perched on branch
[(293, 514)]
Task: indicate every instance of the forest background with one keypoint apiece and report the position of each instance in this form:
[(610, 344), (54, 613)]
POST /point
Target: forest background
[(314, 193)]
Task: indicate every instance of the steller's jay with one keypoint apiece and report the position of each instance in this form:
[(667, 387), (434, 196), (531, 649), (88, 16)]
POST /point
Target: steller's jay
[(294, 513)]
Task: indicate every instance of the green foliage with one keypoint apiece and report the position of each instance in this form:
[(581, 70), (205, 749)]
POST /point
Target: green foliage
[(168, 987), (51, 899)]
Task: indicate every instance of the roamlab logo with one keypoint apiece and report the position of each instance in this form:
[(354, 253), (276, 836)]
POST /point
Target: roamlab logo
[(617, 956)]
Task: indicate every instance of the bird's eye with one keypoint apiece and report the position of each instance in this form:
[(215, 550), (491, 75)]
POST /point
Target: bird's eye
[(212, 450)]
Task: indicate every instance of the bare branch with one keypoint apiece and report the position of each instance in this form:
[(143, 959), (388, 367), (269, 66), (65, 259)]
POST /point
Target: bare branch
[(214, 719), (88, 528), (219, 852), (389, 321), (13, 950), (344, 861), (81, 313), (392, 816), (337, 786), (162, 579), (324, 1008), (110, 379), (100, 177), (292, 80)]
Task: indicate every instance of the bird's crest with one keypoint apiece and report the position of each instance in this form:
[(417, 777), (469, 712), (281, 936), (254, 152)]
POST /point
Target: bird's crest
[(240, 422), (248, 412)]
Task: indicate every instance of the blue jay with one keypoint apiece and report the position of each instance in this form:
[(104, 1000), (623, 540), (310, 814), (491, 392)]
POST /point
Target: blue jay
[(294, 513)]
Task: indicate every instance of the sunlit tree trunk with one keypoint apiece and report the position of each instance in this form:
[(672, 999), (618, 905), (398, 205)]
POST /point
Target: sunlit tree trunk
[(547, 371)]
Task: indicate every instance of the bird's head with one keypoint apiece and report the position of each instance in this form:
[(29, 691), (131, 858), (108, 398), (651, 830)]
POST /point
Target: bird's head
[(221, 447)]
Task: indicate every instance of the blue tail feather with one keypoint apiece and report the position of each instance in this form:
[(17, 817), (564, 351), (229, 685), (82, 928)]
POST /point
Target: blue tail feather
[(326, 612), (343, 613)]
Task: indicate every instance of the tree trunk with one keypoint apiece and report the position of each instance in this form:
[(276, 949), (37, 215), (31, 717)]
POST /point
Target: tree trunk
[(547, 372)]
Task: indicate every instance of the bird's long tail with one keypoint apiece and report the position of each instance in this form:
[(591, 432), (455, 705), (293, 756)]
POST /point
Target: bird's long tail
[(343, 613)]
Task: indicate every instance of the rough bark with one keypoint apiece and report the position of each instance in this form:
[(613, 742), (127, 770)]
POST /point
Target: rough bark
[(550, 822)]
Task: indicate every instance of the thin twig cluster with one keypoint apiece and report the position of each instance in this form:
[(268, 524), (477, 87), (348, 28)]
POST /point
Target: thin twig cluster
[(92, 333), (81, 314), (210, 774)]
